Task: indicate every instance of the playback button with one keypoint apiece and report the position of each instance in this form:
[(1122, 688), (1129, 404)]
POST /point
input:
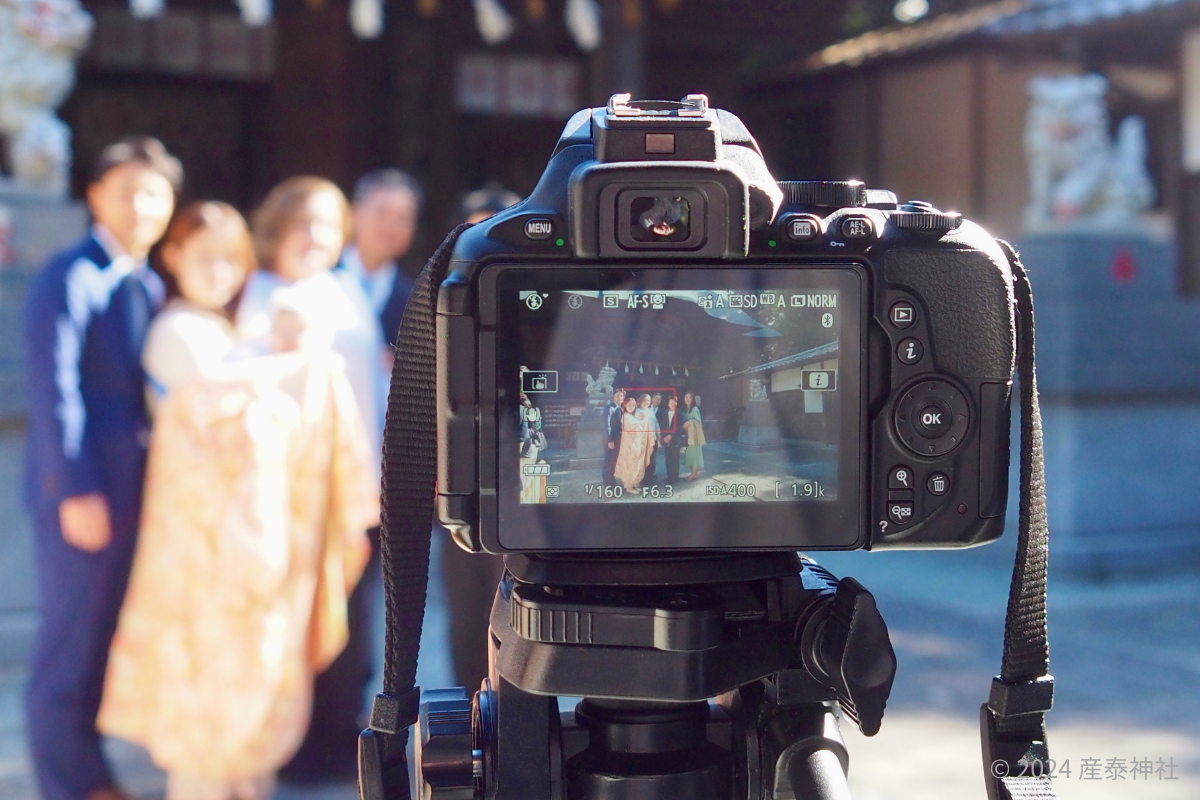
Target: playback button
[(902, 314)]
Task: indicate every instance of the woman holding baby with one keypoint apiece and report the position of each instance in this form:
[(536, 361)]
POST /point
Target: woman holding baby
[(261, 484)]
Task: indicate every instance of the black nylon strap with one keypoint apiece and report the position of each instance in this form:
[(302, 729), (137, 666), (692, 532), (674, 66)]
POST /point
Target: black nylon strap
[(410, 475), (409, 489), (1013, 719)]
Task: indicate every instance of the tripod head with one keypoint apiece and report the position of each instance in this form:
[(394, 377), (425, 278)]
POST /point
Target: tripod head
[(776, 636)]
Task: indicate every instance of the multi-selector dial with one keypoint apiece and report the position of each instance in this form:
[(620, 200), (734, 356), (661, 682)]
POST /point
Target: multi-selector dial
[(932, 417)]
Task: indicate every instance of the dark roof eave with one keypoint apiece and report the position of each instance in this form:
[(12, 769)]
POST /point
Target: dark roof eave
[(888, 46)]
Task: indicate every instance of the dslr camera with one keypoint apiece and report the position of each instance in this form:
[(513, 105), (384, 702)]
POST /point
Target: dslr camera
[(660, 377)]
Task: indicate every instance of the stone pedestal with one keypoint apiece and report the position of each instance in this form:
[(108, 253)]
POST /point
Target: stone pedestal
[(590, 437), (1110, 321), (39, 226), (759, 426), (1118, 363)]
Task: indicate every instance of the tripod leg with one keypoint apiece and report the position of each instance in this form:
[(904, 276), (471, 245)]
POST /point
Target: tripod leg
[(802, 752), (818, 775)]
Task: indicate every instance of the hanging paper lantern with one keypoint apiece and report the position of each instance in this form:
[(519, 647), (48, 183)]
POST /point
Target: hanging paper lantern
[(535, 10), (582, 18), (685, 372), (642, 369), (656, 370), (366, 18), (674, 373), (492, 21), (631, 13), (627, 369)]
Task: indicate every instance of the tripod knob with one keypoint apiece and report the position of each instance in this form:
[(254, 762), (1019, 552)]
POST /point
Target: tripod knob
[(849, 651), (448, 764)]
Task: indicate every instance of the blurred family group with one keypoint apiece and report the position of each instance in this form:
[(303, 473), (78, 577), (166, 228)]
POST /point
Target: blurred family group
[(640, 426), (206, 406)]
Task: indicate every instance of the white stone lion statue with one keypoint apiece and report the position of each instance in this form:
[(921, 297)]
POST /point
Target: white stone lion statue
[(1077, 174), (39, 41), (599, 389)]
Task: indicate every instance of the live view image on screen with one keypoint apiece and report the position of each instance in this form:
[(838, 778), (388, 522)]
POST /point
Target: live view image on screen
[(680, 395)]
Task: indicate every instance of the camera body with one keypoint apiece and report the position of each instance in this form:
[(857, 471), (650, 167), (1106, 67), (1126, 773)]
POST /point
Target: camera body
[(832, 366)]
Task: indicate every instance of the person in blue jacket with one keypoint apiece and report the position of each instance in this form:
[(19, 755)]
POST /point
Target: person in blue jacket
[(86, 316)]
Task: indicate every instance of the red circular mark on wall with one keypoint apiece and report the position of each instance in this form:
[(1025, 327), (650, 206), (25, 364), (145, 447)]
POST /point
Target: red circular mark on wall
[(1123, 267)]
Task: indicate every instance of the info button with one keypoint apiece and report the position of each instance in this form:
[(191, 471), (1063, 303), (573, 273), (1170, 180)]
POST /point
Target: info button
[(802, 227), (539, 228)]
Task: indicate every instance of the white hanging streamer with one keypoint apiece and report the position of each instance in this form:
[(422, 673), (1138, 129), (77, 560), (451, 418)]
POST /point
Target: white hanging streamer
[(146, 9), (366, 18), (582, 18), (493, 22), (255, 13)]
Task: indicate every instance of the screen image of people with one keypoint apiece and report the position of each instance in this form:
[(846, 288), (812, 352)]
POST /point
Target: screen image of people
[(687, 395)]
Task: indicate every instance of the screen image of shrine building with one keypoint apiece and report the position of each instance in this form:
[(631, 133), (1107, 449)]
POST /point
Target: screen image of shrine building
[(714, 407)]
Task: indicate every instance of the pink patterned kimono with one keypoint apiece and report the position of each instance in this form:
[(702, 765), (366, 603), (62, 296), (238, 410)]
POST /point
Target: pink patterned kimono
[(259, 491), (637, 446)]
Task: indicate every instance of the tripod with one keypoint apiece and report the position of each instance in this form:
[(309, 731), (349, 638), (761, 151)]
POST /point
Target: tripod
[(782, 646)]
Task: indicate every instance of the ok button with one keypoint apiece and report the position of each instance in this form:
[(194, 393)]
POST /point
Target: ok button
[(933, 421)]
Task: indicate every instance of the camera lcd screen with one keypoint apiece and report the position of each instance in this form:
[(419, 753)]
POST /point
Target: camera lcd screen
[(638, 389)]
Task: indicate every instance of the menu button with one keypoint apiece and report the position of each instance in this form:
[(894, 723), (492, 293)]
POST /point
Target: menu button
[(539, 228)]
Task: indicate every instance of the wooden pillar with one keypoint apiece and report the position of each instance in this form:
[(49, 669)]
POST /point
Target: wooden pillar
[(310, 136), (620, 63)]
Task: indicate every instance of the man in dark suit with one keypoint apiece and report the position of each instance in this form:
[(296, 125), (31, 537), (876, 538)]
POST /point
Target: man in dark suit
[(612, 436), (387, 205), (655, 446), (673, 436), (86, 317)]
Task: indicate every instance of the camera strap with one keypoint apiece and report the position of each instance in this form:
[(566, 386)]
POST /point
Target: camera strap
[(409, 489), (1013, 720)]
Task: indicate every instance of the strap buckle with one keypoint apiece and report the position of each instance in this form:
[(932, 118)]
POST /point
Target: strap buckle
[(395, 713), (1012, 725), (383, 747)]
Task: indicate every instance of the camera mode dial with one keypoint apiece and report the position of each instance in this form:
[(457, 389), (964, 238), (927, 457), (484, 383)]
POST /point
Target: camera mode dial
[(825, 194), (932, 417), (922, 217)]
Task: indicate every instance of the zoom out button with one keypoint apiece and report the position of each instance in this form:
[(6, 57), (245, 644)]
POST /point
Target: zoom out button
[(900, 513)]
